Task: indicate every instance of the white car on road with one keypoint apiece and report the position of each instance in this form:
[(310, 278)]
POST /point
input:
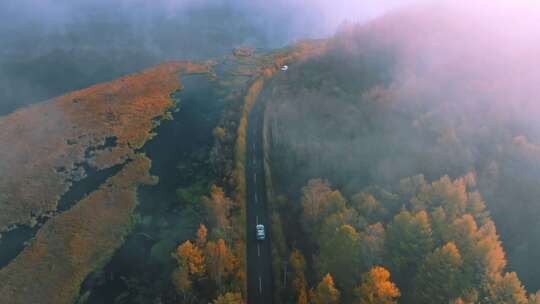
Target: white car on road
[(260, 234)]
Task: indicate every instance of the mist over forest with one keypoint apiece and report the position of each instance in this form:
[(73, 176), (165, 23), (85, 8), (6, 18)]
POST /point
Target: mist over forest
[(53, 46), (433, 90)]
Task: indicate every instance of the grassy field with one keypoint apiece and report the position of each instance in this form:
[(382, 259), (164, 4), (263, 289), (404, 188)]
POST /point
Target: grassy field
[(65, 132)]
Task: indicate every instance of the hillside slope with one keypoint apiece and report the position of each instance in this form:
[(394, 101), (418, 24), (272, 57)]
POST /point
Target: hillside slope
[(415, 92)]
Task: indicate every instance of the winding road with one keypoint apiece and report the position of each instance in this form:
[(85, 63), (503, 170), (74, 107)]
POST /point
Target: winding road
[(259, 259)]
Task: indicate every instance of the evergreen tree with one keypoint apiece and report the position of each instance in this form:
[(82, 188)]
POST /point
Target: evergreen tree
[(450, 195), (439, 277), (372, 245), (331, 223), (410, 186), (369, 207), (181, 281), (314, 202), (318, 201), (408, 241), (440, 226), (340, 255)]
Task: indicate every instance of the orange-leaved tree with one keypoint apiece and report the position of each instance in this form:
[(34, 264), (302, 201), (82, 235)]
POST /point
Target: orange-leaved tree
[(202, 233), (325, 293), (220, 262), (376, 288), (188, 255), (299, 283), (219, 207), (190, 267)]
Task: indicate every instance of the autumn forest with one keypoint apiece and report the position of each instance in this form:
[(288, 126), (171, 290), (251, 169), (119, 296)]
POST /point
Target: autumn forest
[(269, 153)]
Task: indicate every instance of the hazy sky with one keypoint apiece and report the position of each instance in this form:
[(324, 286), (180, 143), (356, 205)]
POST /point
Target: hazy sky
[(304, 17), (48, 47)]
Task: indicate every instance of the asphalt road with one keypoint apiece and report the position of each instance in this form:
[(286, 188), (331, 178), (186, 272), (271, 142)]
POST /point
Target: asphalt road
[(259, 259)]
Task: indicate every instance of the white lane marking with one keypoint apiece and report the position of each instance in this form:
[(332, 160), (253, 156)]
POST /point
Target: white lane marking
[(255, 176), (253, 146), (256, 199), (257, 219), (260, 285), (259, 249)]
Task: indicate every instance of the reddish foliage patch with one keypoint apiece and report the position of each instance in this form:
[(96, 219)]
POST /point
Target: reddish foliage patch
[(68, 247), (42, 144)]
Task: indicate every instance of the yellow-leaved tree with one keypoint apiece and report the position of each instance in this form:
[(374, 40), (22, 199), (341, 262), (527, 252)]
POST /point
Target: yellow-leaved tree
[(229, 298), (190, 266)]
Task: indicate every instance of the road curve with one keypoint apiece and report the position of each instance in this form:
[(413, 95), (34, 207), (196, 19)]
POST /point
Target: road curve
[(259, 258)]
